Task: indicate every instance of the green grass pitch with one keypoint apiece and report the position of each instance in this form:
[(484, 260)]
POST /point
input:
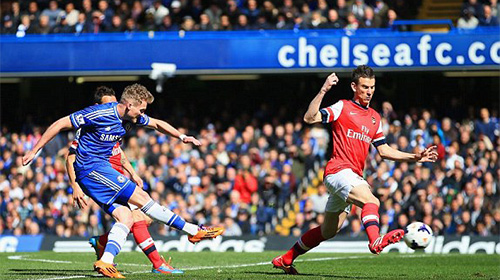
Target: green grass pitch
[(230, 265)]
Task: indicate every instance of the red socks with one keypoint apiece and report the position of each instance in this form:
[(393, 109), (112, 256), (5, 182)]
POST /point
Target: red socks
[(370, 220), (145, 242), (306, 242)]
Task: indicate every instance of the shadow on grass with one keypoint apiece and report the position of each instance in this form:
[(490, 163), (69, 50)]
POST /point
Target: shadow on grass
[(280, 273), (51, 272)]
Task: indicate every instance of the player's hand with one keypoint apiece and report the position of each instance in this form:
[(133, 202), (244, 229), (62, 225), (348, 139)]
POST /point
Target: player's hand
[(138, 180), (428, 155), (28, 157), (191, 139), (330, 81), (78, 197)]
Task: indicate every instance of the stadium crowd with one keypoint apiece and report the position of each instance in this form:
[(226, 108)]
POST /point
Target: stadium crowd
[(245, 173), (97, 16), (479, 13)]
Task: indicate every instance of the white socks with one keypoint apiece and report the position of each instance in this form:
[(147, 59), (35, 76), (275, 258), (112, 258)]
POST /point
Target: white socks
[(164, 215), (116, 238)]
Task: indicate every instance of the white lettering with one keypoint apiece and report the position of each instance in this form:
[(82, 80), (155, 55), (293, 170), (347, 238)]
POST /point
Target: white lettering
[(283, 56), (8, 244), (109, 137), (474, 47), (494, 54), (358, 136), (359, 53), (328, 55), (381, 54), (345, 51), (424, 47), (440, 57), (403, 55), (306, 50)]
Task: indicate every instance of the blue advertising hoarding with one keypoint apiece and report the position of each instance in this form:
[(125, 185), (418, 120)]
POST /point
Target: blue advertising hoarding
[(248, 52)]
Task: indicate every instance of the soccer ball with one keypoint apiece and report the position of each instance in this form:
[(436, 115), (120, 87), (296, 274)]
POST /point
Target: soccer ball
[(418, 235)]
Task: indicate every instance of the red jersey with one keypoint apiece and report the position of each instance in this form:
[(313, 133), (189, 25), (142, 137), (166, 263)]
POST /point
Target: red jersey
[(115, 159), (354, 128)]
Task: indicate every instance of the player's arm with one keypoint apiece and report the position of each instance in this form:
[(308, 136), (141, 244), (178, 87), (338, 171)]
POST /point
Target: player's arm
[(313, 114), (427, 155), (78, 195), (165, 128), (58, 126), (130, 169)]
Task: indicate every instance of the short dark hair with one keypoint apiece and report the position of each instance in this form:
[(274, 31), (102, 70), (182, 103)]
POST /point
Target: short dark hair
[(102, 91), (362, 71)]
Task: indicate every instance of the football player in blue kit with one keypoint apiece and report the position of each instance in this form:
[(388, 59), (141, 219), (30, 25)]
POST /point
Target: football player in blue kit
[(101, 127)]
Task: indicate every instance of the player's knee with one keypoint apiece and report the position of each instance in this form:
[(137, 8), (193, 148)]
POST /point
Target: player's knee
[(138, 216)]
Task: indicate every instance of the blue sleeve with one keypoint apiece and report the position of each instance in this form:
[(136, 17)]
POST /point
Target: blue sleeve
[(82, 118), (142, 120), (324, 115)]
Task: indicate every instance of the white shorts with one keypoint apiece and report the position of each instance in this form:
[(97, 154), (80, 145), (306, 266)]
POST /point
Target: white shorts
[(339, 186)]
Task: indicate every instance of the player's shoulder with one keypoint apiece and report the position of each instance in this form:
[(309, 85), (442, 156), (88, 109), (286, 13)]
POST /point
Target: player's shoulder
[(99, 110)]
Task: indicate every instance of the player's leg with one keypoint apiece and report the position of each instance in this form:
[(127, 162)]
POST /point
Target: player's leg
[(362, 197), (311, 239), (116, 239), (144, 240), (162, 214)]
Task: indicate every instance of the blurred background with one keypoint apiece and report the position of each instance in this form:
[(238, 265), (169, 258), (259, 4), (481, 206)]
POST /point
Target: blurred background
[(245, 74)]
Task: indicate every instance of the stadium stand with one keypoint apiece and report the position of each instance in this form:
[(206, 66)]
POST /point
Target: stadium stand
[(260, 178)]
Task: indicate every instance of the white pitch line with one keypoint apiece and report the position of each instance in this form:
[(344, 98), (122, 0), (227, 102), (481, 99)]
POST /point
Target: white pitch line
[(203, 267)]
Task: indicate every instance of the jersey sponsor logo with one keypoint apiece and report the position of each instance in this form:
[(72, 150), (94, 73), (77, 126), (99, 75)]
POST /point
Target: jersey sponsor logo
[(121, 179), (109, 137), (363, 135), (353, 113), (79, 119)]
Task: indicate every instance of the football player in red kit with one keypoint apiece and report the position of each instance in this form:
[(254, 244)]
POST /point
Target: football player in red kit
[(354, 127)]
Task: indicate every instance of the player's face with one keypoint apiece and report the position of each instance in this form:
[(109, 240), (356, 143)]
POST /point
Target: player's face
[(364, 90), (136, 109)]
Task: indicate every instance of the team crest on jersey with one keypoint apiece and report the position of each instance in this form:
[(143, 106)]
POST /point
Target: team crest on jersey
[(121, 179), (373, 120)]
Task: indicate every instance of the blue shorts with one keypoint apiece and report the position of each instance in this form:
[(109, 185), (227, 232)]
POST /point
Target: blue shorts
[(107, 187)]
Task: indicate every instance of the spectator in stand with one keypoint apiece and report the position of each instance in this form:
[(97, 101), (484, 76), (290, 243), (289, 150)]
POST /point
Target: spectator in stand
[(87, 8), (342, 9), (475, 7), (82, 26), (380, 9), (205, 24), (8, 26), (352, 22), (168, 25), (334, 22), (282, 22), (487, 18), (53, 13), (33, 11), (159, 11), (486, 126), (25, 27), (116, 24), (16, 14), (252, 11), (358, 9), (495, 8), (317, 21), (370, 20), (71, 14), (243, 24), (63, 26), (225, 23)]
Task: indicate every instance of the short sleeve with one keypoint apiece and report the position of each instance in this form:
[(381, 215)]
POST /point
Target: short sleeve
[(379, 138), (82, 118), (142, 120), (331, 113)]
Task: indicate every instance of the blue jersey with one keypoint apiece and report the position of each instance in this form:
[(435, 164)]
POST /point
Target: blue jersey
[(100, 128)]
